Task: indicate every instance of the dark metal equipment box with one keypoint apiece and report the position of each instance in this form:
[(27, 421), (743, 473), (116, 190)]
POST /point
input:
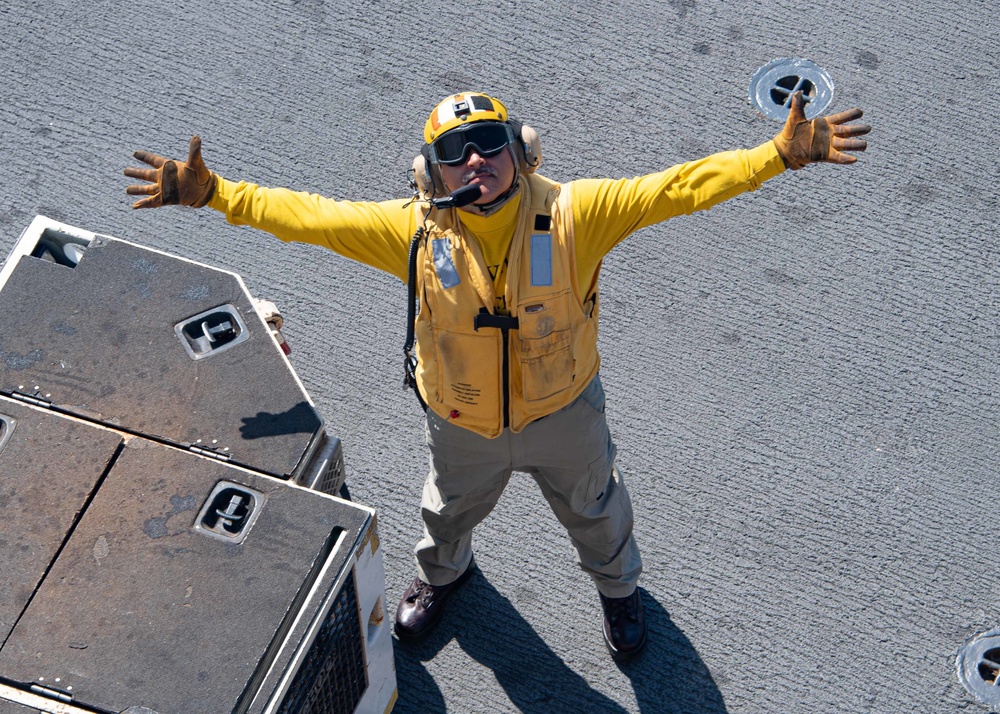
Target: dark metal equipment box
[(164, 548)]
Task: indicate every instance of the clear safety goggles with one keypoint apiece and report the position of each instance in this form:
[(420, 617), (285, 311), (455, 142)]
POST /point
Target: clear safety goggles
[(487, 138)]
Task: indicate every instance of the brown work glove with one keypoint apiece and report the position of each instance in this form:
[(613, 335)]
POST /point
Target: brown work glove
[(803, 142), (172, 182)]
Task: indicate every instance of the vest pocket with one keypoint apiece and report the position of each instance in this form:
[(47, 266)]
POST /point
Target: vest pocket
[(469, 372), (545, 346)]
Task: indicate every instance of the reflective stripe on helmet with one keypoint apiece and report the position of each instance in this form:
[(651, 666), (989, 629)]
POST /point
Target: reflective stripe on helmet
[(462, 108)]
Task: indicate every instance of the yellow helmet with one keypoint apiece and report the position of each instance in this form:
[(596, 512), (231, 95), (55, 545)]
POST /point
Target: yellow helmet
[(463, 108)]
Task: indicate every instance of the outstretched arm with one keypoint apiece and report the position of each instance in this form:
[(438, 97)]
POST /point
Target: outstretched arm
[(607, 211), (374, 233)]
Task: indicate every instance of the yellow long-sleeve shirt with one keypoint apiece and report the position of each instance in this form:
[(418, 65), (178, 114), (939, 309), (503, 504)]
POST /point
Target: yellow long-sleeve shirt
[(605, 212)]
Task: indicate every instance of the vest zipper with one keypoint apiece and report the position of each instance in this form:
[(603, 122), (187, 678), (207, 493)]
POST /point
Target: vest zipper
[(506, 378), (505, 324)]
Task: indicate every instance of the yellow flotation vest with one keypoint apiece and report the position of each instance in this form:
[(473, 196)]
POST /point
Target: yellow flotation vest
[(485, 371)]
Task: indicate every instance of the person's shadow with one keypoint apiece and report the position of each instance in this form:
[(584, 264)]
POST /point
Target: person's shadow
[(668, 678)]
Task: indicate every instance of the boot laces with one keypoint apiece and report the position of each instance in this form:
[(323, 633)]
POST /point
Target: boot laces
[(424, 594), (619, 607)]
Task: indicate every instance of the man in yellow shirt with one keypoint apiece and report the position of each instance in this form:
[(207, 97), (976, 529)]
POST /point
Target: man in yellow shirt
[(504, 266)]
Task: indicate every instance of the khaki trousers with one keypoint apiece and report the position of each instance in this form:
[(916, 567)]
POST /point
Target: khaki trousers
[(570, 455)]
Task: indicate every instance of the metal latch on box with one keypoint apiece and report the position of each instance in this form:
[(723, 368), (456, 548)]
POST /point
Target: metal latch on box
[(212, 331)]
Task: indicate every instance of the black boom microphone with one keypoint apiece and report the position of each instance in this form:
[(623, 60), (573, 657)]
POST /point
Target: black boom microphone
[(456, 199)]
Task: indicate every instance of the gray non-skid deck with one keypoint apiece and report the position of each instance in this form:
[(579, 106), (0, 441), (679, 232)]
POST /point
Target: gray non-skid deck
[(803, 382)]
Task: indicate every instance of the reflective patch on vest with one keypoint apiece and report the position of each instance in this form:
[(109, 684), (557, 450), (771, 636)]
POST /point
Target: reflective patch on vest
[(443, 263), (541, 259)]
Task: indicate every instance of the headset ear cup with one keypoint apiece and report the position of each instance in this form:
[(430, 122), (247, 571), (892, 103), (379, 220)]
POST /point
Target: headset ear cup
[(422, 174), (532, 147)]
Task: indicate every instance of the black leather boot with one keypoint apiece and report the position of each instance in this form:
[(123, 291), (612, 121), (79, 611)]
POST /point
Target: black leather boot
[(624, 625), (422, 606)]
